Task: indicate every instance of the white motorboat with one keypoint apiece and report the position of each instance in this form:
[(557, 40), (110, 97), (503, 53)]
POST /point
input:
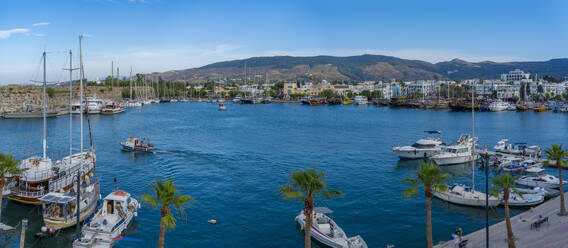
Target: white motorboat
[(60, 209), (361, 100), (526, 200), (498, 106), (516, 148), (456, 154), (237, 99), (326, 231), (535, 190), (513, 164), (76, 107), (423, 148), (94, 104), (112, 108), (117, 211), (222, 107), (465, 195), (536, 178), (134, 104)]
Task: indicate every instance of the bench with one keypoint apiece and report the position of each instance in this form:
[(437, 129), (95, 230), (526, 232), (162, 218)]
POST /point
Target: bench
[(538, 223)]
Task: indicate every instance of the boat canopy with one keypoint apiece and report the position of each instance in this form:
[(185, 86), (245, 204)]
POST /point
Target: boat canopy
[(57, 198), (323, 210), (433, 132), (118, 196)]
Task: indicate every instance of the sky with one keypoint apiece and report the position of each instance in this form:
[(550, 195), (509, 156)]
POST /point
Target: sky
[(161, 35)]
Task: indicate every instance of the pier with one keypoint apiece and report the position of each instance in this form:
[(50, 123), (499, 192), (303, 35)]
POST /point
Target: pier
[(548, 235)]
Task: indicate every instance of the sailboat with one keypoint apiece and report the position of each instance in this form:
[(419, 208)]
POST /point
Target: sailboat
[(464, 194)]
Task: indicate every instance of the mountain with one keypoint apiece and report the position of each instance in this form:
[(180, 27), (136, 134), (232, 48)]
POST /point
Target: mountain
[(362, 67)]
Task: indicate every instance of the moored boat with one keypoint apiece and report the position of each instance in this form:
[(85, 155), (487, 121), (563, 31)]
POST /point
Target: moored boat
[(222, 107), (326, 231), (134, 144), (466, 195), (423, 148)]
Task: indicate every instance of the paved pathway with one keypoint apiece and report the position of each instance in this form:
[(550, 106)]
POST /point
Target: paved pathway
[(551, 235)]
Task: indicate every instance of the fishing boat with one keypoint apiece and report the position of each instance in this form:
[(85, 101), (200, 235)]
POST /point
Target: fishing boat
[(460, 153), (117, 211), (466, 195), (134, 144), (536, 178), (361, 100), (60, 209), (222, 107), (112, 108), (325, 230), (423, 148)]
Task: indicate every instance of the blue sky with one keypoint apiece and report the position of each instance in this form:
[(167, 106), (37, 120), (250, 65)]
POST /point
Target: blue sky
[(163, 35)]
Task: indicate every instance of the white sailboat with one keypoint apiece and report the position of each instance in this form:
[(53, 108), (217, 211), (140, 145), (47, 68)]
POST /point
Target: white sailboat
[(467, 195)]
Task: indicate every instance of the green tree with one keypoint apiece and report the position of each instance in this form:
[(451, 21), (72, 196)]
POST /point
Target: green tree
[(540, 89), (8, 165), (522, 91), (366, 93), (557, 153), (165, 197), (327, 94), (505, 184), (350, 94), (431, 178), (305, 185), (50, 92), (377, 94)]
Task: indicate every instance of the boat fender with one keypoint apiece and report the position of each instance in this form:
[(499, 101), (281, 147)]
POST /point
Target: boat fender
[(44, 229)]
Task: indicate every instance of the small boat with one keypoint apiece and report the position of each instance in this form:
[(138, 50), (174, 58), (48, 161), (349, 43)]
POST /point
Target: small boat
[(134, 144), (222, 107), (361, 100), (515, 148), (536, 178), (526, 200), (117, 211), (305, 100), (237, 99), (513, 164), (134, 104), (465, 195), (540, 107), (326, 231), (347, 101), (60, 209), (423, 148), (498, 106)]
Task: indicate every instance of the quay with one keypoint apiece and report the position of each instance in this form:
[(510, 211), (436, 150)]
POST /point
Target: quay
[(548, 235)]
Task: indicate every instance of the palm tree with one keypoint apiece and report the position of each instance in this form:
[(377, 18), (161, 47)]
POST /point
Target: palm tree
[(506, 184), (166, 195), (8, 165), (557, 153), (433, 180), (304, 185)]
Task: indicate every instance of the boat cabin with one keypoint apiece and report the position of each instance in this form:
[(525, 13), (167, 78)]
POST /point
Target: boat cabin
[(58, 205), (115, 203)]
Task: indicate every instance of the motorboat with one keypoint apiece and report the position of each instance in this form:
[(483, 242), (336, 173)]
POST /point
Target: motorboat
[(60, 209), (305, 100), (94, 104), (466, 195), (134, 104), (134, 144), (460, 153), (361, 100), (423, 148), (117, 211), (347, 101), (536, 178), (498, 106), (222, 107), (112, 108), (524, 200), (513, 164), (237, 99), (326, 231), (515, 148), (76, 107), (546, 192)]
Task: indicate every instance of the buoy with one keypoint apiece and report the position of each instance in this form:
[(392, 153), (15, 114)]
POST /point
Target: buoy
[(212, 222), (356, 213), (52, 230)]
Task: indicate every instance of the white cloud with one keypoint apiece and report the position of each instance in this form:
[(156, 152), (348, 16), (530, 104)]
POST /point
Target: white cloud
[(7, 33), (40, 24), (39, 35)]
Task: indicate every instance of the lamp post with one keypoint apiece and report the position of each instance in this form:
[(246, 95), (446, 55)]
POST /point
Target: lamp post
[(486, 168)]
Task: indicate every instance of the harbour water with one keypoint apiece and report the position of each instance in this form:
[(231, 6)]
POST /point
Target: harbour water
[(233, 162)]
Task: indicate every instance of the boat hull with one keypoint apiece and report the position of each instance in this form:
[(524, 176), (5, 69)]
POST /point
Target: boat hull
[(466, 202), (136, 149), (415, 153), (28, 115), (452, 160)]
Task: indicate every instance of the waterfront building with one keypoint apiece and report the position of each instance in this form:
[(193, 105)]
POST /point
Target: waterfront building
[(516, 75)]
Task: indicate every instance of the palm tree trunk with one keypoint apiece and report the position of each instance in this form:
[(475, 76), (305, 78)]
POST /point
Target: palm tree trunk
[(429, 222), (308, 210), (510, 235), (162, 229), (2, 184), (562, 206)]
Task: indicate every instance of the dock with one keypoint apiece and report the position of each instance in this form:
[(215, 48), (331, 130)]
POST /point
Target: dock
[(540, 160), (548, 235)]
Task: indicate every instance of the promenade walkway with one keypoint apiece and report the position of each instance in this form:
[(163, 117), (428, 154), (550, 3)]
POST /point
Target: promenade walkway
[(553, 234)]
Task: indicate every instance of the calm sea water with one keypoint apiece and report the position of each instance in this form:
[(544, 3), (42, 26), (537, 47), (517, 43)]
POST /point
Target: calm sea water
[(233, 163)]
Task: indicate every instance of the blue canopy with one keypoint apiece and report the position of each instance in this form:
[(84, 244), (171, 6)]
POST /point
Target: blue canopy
[(434, 132), (57, 198)]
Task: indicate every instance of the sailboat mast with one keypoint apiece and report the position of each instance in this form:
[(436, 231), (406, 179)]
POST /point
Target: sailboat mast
[(70, 106), (82, 73), (131, 83), (473, 136), (44, 110)]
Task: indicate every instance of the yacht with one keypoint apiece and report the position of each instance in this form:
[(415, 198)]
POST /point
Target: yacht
[(325, 230), (305, 100), (60, 209), (498, 106), (94, 104), (423, 148), (112, 108), (361, 100), (460, 153), (237, 99), (466, 195), (118, 210), (536, 178)]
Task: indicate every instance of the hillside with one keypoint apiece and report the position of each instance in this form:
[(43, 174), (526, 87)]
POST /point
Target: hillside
[(362, 67)]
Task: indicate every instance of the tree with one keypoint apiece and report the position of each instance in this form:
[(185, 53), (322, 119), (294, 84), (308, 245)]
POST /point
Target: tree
[(522, 91), (506, 184), (305, 185), (433, 180), (377, 94), (8, 165), (166, 196), (50, 92), (557, 153), (540, 89)]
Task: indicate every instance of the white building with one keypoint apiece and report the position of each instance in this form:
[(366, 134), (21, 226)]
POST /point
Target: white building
[(515, 76)]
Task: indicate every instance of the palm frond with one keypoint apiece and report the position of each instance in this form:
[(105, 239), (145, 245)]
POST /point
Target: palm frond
[(170, 221), (410, 192), (149, 199)]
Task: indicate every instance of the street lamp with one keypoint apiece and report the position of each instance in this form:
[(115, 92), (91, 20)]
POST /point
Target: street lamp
[(486, 168)]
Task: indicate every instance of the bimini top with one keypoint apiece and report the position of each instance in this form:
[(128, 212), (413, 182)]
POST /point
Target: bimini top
[(323, 210), (433, 132), (118, 195), (54, 197)]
